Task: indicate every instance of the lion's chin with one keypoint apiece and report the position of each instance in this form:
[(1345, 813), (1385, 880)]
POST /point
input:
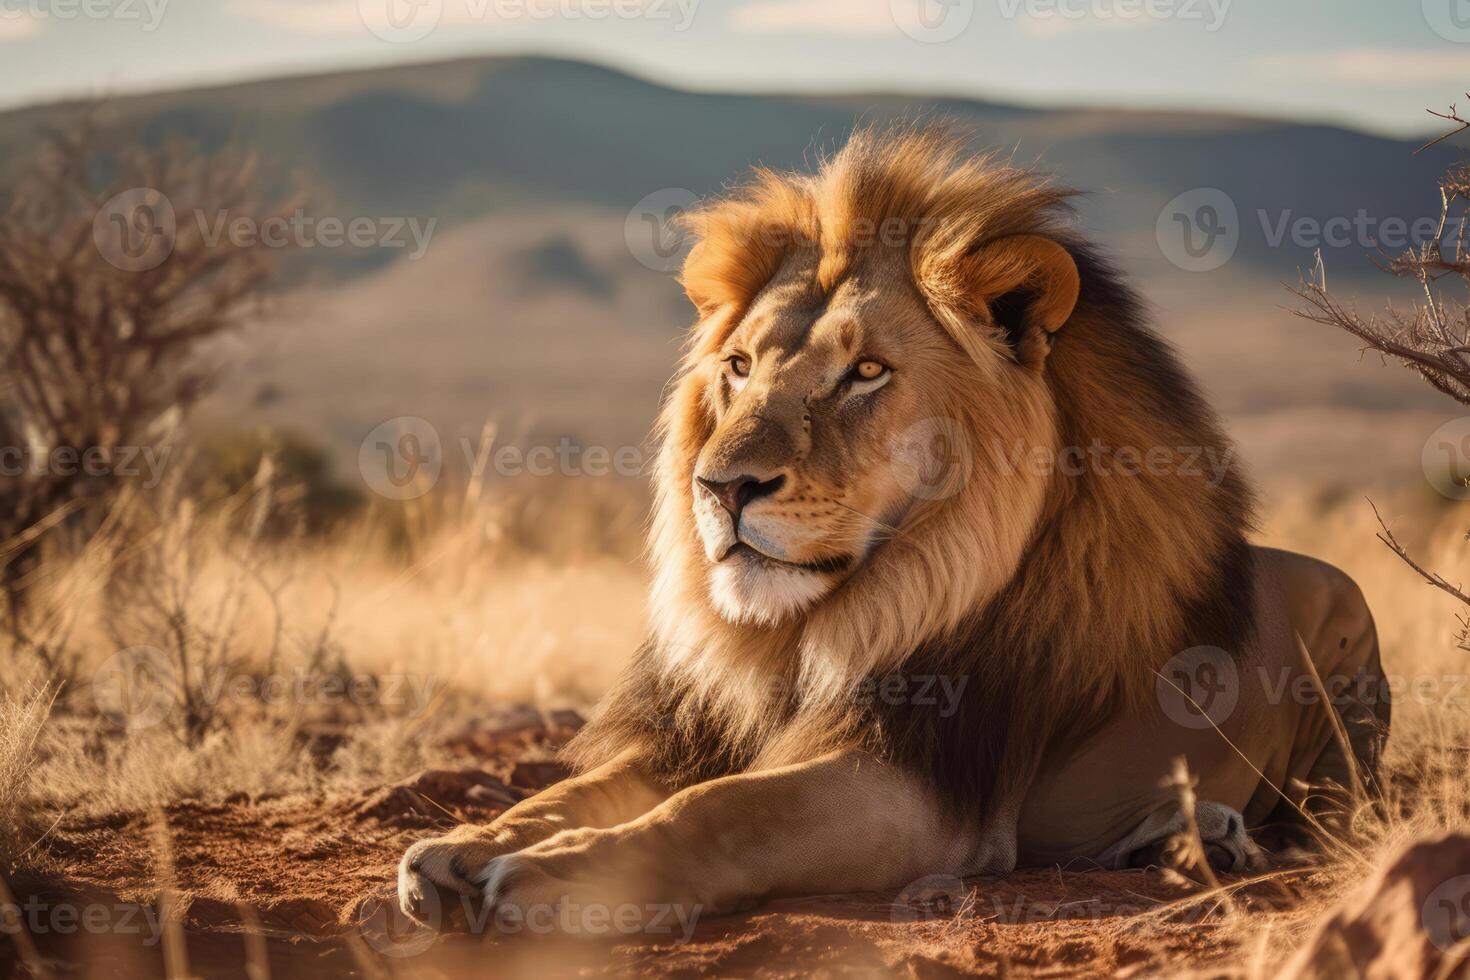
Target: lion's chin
[(755, 594)]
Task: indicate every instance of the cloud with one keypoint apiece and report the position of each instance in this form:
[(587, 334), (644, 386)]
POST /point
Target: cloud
[(814, 16), (1379, 66), (15, 25)]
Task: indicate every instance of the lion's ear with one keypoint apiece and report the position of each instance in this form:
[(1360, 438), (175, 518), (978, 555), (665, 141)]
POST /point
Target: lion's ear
[(1029, 286)]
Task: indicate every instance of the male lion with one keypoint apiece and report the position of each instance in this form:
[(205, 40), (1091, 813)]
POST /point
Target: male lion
[(951, 567)]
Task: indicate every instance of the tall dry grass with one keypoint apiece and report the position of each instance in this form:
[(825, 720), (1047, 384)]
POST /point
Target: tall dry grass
[(23, 716), (533, 594), (422, 615)]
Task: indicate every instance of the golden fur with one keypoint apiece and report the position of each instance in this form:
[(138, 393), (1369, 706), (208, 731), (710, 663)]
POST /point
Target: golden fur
[(1059, 594)]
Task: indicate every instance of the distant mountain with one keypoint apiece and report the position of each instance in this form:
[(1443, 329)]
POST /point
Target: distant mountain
[(537, 305), (465, 139)]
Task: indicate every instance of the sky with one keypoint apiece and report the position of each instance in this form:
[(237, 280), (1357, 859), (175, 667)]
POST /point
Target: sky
[(1372, 64)]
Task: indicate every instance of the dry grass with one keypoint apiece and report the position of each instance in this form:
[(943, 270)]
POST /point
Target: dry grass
[(22, 718), (379, 637), (489, 602)]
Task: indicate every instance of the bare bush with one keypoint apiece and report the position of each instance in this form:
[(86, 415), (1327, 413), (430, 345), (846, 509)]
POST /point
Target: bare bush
[(105, 299), (195, 587), (1431, 336)]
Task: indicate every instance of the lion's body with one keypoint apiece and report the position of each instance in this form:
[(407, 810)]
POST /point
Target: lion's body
[(857, 674), (1264, 734)]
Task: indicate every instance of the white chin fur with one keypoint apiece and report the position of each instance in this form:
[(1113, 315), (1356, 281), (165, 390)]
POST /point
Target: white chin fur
[(749, 593)]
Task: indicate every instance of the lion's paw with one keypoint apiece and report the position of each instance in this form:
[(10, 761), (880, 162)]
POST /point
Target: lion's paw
[(437, 876)]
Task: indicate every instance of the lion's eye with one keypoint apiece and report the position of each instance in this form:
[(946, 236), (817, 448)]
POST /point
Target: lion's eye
[(737, 370), (866, 376)]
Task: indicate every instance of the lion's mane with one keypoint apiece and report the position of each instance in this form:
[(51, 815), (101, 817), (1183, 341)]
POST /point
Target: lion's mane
[(1119, 574)]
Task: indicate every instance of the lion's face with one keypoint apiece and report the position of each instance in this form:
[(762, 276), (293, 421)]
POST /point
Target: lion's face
[(824, 438), (870, 348)]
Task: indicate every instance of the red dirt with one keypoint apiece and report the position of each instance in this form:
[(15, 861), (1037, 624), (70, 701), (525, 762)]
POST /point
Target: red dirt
[(314, 870)]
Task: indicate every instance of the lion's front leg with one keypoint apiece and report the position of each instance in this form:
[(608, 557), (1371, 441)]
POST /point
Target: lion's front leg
[(843, 823), (452, 865)]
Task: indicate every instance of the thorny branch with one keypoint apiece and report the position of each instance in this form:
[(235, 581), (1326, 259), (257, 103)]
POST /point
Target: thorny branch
[(1432, 337)]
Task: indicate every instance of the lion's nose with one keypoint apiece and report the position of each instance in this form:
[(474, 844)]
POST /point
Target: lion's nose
[(735, 494)]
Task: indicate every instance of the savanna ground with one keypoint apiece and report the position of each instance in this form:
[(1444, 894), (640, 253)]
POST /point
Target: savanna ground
[(221, 729)]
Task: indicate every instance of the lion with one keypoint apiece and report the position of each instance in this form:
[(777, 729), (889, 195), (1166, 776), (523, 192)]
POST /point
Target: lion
[(951, 566)]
